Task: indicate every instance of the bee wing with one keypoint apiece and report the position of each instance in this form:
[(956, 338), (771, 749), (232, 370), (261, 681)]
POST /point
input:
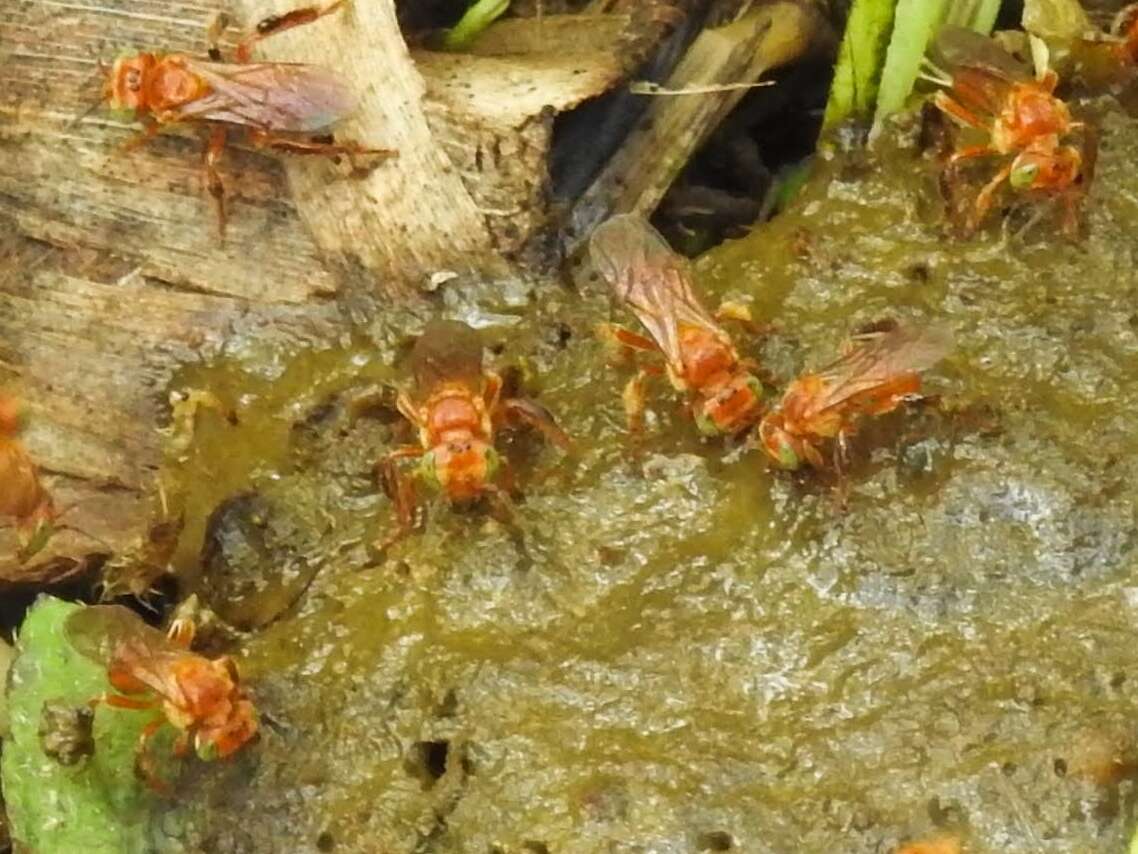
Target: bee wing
[(982, 72), (960, 47), (877, 359), (651, 279), (447, 351), (289, 97), (112, 635), (22, 493)]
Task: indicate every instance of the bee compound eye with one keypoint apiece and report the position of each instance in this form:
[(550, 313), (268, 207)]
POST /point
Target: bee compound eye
[(493, 462)]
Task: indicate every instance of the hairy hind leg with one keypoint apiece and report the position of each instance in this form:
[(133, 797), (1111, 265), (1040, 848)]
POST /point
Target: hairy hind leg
[(144, 765), (291, 145), (986, 196), (215, 147), (401, 490)]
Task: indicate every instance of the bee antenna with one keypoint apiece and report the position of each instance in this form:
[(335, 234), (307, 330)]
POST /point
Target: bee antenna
[(100, 72)]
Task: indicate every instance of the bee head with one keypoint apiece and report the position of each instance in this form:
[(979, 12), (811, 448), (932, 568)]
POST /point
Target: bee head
[(126, 82)]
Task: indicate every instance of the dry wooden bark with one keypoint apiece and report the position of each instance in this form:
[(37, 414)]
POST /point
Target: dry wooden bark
[(674, 126), (91, 350), (72, 184)]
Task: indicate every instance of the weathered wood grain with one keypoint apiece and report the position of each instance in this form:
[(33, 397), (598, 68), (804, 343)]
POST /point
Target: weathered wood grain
[(91, 350)]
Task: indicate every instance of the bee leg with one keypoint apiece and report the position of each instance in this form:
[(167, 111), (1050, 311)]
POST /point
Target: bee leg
[(841, 462), (217, 26), (182, 745), (812, 456), (273, 24), (633, 398), (1069, 219), (503, 510), (520, 409), (144, 765), (984, 199), (148, 132), (493, 390), (620, 337), (401, 491), (842, 449), (956, 110), (181, 632), (215, 146), (118, 701), (289, 145)]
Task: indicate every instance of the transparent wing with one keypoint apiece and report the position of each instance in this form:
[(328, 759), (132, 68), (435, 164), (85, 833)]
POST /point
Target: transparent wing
[(289, 97), (982, 72), (651, 279), (447, 351), (959, 47), (112, 635), (877, 359)]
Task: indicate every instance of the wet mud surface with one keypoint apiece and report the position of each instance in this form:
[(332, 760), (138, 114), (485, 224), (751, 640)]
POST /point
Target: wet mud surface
[(671, 647)]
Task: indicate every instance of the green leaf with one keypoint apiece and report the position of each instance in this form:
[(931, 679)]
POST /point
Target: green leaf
[(917, 23), (882, 49), (96, 806), (477, 18), (860, 58), (978, 15)]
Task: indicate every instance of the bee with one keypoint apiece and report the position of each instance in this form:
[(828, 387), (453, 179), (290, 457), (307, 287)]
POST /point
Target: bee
[(23, 497), (274, 105), (1025, 123), (457, 406), (1124, 28), (878, 371), (700, 358), (202, 698)]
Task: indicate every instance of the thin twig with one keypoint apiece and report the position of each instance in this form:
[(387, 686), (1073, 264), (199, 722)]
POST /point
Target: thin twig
[(647, 87)]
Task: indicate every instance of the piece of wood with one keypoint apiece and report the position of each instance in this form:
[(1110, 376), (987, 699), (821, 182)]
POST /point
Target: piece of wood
[(412, 216), (72, 184), (489, 118), (494, 115), (673, 127), (91, 352)]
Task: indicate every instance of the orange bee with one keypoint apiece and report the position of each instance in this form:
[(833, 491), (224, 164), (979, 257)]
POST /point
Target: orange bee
[(878, 371), (1124, 29), (277, 105), (990, 91), (457, 406), (700, 358), (200, 697), (23, 497)]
